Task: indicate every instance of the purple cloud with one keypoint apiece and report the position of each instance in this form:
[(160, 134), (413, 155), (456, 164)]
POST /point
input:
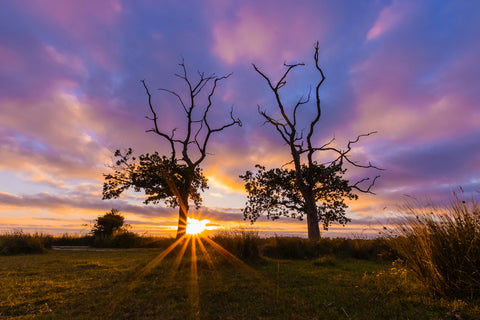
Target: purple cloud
[(70, 93)]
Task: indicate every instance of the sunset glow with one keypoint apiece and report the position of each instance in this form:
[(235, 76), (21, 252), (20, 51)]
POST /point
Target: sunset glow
[(70, 94), (195, 226)]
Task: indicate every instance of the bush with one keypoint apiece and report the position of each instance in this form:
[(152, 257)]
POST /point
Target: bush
[(366, 249), (73, 240), (289, 248), (122, 239), (108, 224), (242, 243), (300, 248), (18, 242), (128, 239), (441, 245)]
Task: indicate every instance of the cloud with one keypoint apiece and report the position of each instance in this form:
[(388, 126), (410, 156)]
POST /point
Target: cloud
[(70, 93), (255, 33), (70, 18), (388, 18), (50, 138)]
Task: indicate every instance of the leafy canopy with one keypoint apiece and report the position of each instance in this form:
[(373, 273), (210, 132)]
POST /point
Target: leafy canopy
[(108, 224), (276, 193), (161, 178)]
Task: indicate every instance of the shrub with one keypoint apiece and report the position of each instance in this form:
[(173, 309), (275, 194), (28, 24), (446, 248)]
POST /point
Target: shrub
[(108, 224), (300, 248), (18, 242), (121, 239), (289, 248), (366, 249), (73, 240), (241, 242), (441, 245)]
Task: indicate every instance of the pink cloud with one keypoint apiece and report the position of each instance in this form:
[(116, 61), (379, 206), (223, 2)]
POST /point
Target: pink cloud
[(268, 37), (388, 18), (87, 22), (53, 139), (64, 60), (396, 94), (78, 17)]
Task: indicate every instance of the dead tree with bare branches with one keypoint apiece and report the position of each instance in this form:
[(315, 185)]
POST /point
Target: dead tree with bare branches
[(175, 179), (308, 188)]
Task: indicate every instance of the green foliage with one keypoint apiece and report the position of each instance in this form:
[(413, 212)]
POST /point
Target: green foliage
[(108, 224), (18, 242), (161, 178), (277, 192), (441, 246)]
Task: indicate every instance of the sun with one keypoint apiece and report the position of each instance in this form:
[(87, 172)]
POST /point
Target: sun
[(195, 226)]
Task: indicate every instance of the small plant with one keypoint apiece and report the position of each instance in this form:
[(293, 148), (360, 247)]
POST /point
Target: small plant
[(441, 245), (391, 281), (325, 261)]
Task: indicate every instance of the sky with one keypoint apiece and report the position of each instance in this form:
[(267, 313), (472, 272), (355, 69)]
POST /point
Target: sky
[(70, 95)]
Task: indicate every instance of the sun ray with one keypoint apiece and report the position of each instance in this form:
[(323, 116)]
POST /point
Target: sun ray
[(196, 226), (194, 294), (211, 265), (205, 253), (224, 252), (153, 263), (233, 260), (133, 283), (180, 255)]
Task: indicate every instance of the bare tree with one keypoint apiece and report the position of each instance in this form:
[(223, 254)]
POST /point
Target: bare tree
[(175, 179), (311, 189)]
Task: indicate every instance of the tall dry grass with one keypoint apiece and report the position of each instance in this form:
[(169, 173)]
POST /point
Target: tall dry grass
[(19, 242), (441, 245), (243, 243)]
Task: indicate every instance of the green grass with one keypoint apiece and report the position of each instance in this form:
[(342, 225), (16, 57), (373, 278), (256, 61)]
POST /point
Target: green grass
[(116, 284)]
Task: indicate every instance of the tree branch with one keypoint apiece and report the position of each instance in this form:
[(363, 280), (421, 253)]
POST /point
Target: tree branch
[(355, 185), (277, 124), (317, 104), (155, 121), (176, 95)]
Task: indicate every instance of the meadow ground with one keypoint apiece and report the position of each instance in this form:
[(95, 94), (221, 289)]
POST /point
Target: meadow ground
[(140, 284)]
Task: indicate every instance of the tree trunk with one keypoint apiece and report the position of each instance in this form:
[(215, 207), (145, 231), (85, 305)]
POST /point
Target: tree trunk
[(310, 205), (312, 220), (182, 223), (182, 216)]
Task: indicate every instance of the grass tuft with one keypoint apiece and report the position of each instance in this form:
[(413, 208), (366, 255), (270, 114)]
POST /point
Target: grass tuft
[(441, 245)]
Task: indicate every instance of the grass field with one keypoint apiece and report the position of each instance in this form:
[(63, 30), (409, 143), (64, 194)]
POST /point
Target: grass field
[(140, 284)]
